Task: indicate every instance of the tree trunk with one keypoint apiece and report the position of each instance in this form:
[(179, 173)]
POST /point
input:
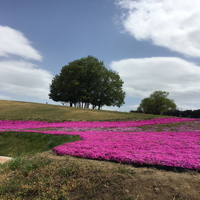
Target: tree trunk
[(94, 106)]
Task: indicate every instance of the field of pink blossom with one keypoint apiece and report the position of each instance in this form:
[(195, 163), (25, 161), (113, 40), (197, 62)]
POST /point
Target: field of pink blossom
[(37, 124), (123, 141)]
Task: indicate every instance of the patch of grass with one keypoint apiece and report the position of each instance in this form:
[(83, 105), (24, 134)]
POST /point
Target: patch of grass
[(18, 143), (24, 164), (16, 163)]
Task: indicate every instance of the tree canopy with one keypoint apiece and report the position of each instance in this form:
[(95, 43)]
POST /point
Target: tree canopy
[(87, 81), (156, 103)]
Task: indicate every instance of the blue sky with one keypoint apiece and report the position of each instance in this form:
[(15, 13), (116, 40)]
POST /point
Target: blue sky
[(153, 45)]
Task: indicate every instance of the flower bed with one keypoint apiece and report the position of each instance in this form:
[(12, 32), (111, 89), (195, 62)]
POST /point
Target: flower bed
[(170, 149), (38, 124), (178, 149)]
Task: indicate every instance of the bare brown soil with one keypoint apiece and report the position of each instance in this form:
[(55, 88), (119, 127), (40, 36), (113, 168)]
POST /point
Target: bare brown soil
[(145, 183), (3, 160)]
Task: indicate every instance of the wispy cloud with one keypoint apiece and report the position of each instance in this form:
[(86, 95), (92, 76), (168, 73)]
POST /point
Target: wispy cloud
[(143, 76), (173, 24), (13, 42)]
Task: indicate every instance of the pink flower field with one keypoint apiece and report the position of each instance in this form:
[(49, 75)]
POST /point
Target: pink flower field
[(123, 141)]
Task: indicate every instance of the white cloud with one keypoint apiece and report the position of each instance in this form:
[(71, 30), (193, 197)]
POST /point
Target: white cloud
[(173, 24), (144, 76), (13, 42), (114, 108), (21, 77), (24, 78)]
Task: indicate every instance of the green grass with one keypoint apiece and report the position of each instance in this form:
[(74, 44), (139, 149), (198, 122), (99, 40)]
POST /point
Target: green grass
[(26, 165), (17, 110), (18, 143)]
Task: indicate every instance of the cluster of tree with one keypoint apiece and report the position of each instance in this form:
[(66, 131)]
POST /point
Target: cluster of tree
[(157, 103), (185, 113), (178, 113), (87, 81)]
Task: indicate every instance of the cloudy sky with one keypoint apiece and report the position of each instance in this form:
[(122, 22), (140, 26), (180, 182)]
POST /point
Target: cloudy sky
[(152, 44)]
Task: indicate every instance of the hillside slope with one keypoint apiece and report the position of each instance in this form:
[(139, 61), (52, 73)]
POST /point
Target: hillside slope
[(17, 110)]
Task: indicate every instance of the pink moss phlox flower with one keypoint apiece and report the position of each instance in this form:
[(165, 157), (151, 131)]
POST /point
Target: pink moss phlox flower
[(171, 149), (179, 149), (84, 124)]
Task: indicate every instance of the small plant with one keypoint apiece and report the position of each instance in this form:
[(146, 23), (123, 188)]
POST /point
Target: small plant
[(16, 163), (32, 164), (126, 171), (65, 171)]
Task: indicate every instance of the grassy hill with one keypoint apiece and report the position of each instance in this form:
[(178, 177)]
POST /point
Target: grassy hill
[(17, 110)]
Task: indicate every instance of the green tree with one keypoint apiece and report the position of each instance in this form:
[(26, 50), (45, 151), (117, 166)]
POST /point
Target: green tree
[(156, 103), (54, 88), (109, 90), (87, 81)]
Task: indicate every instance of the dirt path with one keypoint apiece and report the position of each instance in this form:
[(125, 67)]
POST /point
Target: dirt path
[(4, 159)]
